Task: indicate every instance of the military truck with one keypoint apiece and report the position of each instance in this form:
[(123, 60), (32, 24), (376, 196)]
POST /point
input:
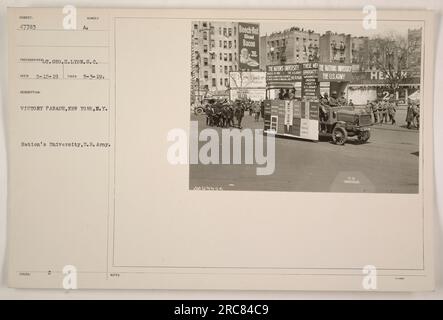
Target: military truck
[(342, 122)]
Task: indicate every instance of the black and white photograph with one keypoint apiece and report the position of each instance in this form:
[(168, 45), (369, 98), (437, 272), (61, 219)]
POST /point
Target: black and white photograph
[(307, 106)]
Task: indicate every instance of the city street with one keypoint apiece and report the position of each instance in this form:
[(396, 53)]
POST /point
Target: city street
[(388, 163)]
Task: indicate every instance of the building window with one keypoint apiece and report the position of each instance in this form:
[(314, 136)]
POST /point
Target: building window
[(221, 69), (235, 31), (221, 57), (225, 44), (230, 57), (221, 81), (205, 61), (235, 56), (213, 68), (205, 48), (235, 43), (220, 43), (230, 44), (230, 68), (226, 69), (224, 31), (226, 82), (195, 26), (225, 56), (205, 35), (229, 32), (205, 24), (214, 82), (206, 75), (235, 67)]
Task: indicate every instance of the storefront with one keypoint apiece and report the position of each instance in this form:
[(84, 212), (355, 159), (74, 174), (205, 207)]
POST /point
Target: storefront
[(247, 85), (372, 85)]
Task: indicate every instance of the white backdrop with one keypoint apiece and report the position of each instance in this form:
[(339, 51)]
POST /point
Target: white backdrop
[(437, 5)]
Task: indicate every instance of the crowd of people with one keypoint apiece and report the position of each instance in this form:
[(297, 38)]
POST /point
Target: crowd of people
[(413, 115), (225, 113), (384, 111)]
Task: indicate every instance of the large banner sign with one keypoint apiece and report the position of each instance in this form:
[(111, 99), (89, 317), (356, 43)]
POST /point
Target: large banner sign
[(334, 72), (379, 77), (248, 46), (247, 79), (286, 73), (310, 87), (247, 85)]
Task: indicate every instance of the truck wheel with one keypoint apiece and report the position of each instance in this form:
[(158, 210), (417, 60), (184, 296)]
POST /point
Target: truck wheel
[(199, 111), (339, 135), (364, 136)]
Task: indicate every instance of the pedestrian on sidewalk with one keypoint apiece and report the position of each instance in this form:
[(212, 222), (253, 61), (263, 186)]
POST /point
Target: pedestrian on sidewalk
[(372, 108), (257, 111), (384, 111), (392, 109)]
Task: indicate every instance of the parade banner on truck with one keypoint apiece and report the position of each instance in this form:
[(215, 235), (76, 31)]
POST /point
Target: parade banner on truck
[(248, 46), (298, 119), (286, 73), (310, 86), (334, 72)]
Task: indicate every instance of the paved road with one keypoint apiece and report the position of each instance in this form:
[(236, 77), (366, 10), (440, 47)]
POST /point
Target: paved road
[(388, 163)]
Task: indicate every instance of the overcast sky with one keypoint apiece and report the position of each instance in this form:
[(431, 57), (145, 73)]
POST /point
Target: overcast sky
[(355, 28)]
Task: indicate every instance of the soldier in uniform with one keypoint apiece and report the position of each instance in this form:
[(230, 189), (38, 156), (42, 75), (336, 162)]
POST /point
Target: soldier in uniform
[(324, 99), (392, 110), (342, 100), (333, 101), (373, 109), (380, 110), (323, 110), (257, 111), (384, 111)]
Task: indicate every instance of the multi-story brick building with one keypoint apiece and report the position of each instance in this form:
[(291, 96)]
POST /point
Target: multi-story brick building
[(294, 45), (214, 55), (335, 47)]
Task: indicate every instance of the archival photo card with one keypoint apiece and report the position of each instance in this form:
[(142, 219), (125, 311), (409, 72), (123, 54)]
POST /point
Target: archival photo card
[(311, 106)]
